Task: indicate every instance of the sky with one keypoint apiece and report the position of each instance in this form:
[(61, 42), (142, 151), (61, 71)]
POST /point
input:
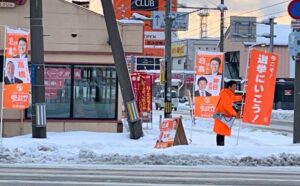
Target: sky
[(235, 7), (277, 8)]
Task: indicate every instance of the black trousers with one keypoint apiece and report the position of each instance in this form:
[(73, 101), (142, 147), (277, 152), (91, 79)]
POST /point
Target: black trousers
[(220, 140)]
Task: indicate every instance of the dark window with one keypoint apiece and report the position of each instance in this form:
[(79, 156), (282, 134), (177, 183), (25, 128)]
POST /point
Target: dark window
[(1, 68), (179, 61), (95, 92), (80, 91)]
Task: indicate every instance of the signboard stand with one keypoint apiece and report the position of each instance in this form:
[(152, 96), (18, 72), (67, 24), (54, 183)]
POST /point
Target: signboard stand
[(171, 133), (180, 137)]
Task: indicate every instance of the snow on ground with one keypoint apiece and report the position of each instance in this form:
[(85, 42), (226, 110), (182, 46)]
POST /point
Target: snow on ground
[(255, 148), (284, 115)]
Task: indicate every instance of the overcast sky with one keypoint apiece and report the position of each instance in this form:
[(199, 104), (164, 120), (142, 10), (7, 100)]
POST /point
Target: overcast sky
[(235, 7)]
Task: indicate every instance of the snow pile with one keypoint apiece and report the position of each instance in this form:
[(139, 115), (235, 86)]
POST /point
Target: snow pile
[(255, 148), (284, 115)]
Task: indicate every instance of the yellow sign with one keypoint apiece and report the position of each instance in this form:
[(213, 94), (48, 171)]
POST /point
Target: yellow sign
[(178, 50)]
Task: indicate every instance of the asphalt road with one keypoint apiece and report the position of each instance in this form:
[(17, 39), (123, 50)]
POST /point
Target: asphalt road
[(145, 175)]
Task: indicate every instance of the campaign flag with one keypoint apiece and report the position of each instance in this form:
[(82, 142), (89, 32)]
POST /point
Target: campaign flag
[(207, 83), (16, 89), (260, 87)]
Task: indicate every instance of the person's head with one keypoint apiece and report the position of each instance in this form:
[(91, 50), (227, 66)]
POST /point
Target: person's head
[(202, 83), (215, 64), (10, 69), (231, 85), (22, 45)]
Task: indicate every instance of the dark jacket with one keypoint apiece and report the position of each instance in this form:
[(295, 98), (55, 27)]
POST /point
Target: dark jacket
[(197, 93), (7, 81)]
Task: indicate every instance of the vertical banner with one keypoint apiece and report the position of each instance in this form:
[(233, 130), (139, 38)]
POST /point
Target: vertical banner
[(260, 87), (142, 88), (16, 73), (208, 82)]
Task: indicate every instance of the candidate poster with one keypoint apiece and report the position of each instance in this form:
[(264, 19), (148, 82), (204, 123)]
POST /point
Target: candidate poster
[(208, 82), (16, 73), (260, 87)]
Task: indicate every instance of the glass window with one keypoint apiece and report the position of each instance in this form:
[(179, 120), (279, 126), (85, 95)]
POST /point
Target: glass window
[(95, 90), (57, 91), (92, 89)]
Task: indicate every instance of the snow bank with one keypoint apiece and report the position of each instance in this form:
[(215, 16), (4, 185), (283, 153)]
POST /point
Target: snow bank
[(285, 115)]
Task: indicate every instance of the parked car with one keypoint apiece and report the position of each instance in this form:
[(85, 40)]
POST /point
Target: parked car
[(160, 103)]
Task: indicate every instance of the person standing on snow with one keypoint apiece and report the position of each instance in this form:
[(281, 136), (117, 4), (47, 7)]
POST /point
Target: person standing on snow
[(225, 107)]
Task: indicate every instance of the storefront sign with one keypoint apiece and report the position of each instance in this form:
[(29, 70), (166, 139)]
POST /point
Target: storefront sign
[(146, 5), (178, 50), (7, 5)]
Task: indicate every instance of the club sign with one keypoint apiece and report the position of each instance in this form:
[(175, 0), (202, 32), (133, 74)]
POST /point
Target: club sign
[(144, 5)]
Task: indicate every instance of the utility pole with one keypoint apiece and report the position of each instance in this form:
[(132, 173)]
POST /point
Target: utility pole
[(222, 27), (272, 23), (168, 61), (39, 129), (134, 122), (296, 133)]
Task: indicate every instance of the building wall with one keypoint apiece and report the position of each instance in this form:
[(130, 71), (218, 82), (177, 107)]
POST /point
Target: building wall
[(62, 19), (62, 22), (191, 47), (282, 51)]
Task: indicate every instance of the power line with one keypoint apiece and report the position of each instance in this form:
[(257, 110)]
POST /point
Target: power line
[(269, 6)]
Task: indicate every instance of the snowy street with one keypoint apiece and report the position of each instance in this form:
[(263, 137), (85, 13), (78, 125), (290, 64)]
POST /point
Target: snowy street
[(256, 147), (145, 175)]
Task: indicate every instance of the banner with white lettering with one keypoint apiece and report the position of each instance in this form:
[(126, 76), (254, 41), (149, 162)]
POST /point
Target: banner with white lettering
[(260, 87)]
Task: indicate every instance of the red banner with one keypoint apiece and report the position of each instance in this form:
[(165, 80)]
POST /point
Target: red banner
[(260, 87), (142, 88)]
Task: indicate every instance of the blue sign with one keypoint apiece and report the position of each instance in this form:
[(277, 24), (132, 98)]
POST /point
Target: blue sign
[(294, 9), (33, 74)]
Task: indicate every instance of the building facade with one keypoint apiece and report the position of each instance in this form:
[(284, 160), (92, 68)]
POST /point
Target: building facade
[(184, 51), (237, 50), (81, 84)]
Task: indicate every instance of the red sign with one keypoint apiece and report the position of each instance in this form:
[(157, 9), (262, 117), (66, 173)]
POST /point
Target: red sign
[(142, 88), (294, 9), (260, 87)]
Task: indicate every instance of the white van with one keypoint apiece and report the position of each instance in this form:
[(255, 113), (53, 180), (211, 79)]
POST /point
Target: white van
[(160, 103)]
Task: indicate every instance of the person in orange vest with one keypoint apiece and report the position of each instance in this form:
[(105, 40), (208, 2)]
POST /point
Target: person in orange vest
[(225, 107)]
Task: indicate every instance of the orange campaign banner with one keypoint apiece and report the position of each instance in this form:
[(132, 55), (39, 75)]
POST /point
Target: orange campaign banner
[(16, 90), (208, 82), (260, 87)]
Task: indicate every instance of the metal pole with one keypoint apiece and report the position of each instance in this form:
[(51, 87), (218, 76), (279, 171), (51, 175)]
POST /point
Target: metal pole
[(134, 122), (3, 74), (296, 138), (132, 63), (37, 69), (271, 34), (222, 27), (168, 61)]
